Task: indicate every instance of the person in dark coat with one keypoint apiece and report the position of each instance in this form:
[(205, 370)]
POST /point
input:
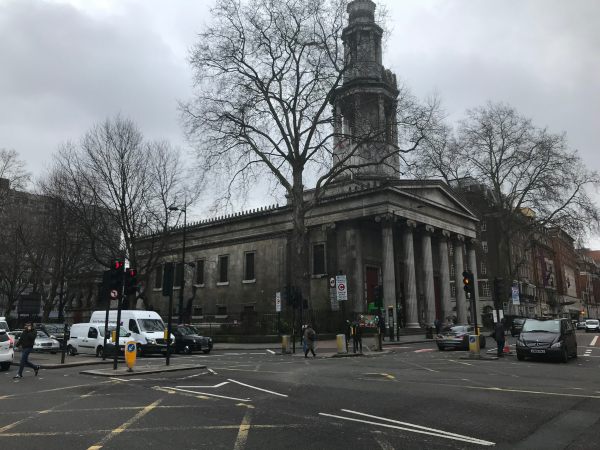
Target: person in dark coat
[(310, 336), (26, 342), (500, 336)]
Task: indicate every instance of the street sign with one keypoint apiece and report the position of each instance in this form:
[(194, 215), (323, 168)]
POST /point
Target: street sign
[(332, 282), (277, 301), (114, 294), (515, 295), (341, 288)]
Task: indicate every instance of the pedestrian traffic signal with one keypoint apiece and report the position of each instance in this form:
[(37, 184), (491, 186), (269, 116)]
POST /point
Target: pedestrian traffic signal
[(116, 275), (131, 282)]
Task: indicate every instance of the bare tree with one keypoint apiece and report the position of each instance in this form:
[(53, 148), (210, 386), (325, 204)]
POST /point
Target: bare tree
[(119, 189), (13, 170), (267, 73), (535, 180)]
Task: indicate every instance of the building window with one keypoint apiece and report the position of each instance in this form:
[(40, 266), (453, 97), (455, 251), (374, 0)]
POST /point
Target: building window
[(158, 277), (452, 270), (451, 249), (483, 225), (452, 290), (223, 269), (178, 274), (483, 268), (319, 259), (221, 310), (484, 246), (248, 308), (484, 289), (249, 266), (200, 272), (197, 311)]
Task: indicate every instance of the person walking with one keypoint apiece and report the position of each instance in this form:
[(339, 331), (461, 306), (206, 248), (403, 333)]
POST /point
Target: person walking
[(26, 342), (309, 339), (500, 336)]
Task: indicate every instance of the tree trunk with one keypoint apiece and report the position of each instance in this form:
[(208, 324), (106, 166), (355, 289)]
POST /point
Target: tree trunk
[(300, 269)]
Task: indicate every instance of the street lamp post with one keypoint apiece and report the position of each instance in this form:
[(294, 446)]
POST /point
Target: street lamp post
[(182, 286)]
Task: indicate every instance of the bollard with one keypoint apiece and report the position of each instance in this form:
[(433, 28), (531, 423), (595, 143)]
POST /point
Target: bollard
[(285, 344), (474, 346), (341, 343)]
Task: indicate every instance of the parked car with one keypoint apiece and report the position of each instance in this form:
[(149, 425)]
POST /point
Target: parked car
[(187, 340), (44, 343), (207, 342), (581, 325), (592, 325), (54, 330), (457, 337), (7, 351), (547, 339), (516, 326)]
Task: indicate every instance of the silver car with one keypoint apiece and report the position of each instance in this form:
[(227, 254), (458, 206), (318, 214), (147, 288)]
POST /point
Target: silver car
[(44, 343)]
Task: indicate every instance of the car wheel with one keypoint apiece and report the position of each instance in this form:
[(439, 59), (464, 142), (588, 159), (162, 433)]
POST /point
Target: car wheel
[(206, 351), (520, 356), (4, 366), (99, 352), (441, 348), (187, 350)]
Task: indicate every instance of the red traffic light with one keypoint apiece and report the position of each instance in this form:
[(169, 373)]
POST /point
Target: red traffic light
[(132, 272), (117, 265)]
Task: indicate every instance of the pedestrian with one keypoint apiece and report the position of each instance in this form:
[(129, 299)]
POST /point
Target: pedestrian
[(26, 342), (381, 322), (500, 336), (437, 323), (309, 339)]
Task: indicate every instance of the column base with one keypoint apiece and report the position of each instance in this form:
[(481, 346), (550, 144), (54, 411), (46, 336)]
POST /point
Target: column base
[(413, 326)]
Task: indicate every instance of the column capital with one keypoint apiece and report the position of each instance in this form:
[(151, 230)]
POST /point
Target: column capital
[(411, 224), (445, 234), (386, 218), (459, 238), (428, 229), (472, 242)]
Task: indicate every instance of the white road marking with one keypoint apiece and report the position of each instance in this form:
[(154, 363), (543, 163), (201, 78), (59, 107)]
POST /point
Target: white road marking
[(205, 387), (271, 352), (423, 350), (212, 371), (257, 388), (560, 394), (594, 341), (212, 395), (441, 434)]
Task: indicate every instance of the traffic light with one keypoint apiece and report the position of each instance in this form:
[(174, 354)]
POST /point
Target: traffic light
[(499, 292), (466, 281), (378, 296), (115, 277), (131, 282), (167, 287)]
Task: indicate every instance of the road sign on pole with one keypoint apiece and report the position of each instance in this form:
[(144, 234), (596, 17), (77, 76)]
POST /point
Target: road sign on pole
[(277, 301), (341, 288), (515, 295)]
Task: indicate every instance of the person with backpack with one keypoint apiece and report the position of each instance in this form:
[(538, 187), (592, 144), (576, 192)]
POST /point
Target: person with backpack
[(310, 336), (26, 342)]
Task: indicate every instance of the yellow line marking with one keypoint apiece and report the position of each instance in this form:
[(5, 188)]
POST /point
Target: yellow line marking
[(523, 391), (242, 437), (125, 425)]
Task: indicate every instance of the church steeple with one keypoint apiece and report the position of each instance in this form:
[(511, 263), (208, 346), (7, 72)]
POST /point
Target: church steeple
[(365, 105)]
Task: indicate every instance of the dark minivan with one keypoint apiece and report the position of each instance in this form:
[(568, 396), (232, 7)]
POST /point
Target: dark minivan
[(553, 338)]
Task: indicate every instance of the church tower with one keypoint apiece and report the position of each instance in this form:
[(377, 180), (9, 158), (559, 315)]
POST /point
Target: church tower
[(365, 105)]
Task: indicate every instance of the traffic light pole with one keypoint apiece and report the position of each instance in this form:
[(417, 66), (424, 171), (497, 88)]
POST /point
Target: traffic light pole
[(118, 325), (106, 327)]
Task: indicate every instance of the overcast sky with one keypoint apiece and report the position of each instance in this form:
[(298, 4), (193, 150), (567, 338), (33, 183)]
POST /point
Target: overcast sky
[(67, 64)]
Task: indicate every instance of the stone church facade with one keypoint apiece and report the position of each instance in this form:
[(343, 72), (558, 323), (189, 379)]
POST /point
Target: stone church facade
[(413, 238)]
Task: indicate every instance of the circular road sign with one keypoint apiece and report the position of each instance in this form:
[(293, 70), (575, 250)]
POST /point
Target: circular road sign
[(332, 282), (114, 294), (341, 287)]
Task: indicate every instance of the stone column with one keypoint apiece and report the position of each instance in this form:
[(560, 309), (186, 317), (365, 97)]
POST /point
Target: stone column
[(408, 255), (461, 306), (428, 288), (472, 258), (389, 274), (444, 276)]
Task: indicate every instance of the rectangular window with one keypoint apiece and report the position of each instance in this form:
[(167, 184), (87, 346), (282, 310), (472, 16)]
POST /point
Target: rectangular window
[(158, 277), (484, 246), (223, 269), (483, 225), (200, 271), (249, 266), (484, 289), (452, 270), (197, 310), (483, 269), (221, 310), (451, 249), (319, 259), (178, 274), (452, 290), (248, 308)]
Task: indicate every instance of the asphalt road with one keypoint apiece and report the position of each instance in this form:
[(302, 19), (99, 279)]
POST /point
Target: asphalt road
[(411, 397)]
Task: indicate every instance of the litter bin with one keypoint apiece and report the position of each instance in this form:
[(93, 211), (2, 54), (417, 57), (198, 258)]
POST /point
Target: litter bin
[(285, 344), (341, 343)]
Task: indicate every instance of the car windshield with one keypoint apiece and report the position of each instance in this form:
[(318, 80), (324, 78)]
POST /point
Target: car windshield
[(54, 328), (186, 331), (122, 331), (541, 326), (456, 329), (591, 322), (4, 326), (519, 321), (42, 334), (151, 325)]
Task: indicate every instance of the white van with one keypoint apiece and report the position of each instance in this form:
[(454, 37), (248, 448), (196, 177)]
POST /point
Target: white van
[(146, 327), (89, 338)]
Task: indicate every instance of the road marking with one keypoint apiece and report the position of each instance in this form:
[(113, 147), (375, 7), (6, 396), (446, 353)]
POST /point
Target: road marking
[(125, 425), (419, 366), (594, 341), (271, 352), (212, 371), (212, 395), (242, 436), (257, 388), (523, 391), (205, 387), (416, 429), (460, 362)]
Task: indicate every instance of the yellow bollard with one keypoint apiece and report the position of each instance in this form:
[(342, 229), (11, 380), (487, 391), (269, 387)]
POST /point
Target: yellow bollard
[(341, 343), (285, 344)]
